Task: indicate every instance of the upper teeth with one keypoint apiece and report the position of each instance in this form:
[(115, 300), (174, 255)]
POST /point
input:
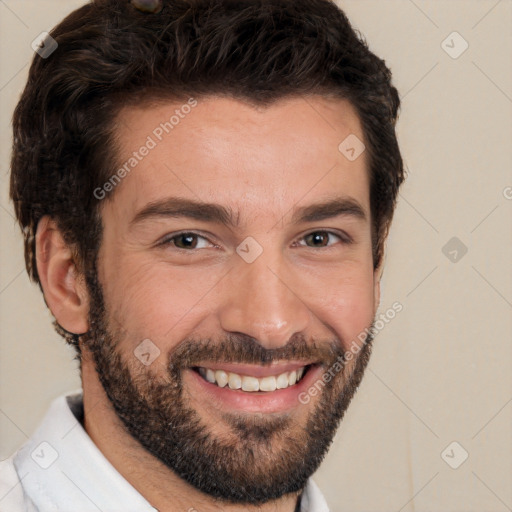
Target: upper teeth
[(248, 383)]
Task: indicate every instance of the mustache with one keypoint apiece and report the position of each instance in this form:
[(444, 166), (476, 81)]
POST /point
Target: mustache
[(244, 349)]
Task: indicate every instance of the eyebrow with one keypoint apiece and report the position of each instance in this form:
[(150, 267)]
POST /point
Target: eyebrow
[(214, 213)]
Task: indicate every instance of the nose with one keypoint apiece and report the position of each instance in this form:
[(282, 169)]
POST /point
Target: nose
[(264, 301)]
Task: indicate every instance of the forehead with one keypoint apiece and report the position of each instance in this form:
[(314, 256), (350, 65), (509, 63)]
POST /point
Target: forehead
[(259, 160)]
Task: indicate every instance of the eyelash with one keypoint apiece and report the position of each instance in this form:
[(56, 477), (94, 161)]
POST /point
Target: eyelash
[(344, 238)]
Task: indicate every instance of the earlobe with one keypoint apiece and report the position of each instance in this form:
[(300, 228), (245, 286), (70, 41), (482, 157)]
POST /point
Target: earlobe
[(377, 275), (376, 293), (64, 288)]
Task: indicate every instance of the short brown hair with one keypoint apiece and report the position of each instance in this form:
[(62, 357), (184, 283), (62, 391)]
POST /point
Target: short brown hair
[(110, 54)]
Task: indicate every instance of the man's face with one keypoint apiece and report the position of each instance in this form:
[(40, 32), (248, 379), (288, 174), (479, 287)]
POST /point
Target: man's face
[(264, 287)]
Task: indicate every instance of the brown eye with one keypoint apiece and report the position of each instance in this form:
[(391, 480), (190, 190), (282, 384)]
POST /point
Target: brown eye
[(318, 239), (187, 240), (322, 239)]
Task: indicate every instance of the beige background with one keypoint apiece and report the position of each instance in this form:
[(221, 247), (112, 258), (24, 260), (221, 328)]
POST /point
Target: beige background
[(441, 370)]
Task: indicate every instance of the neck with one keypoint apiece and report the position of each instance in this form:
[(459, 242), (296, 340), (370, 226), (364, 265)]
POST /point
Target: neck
[(156, 482)]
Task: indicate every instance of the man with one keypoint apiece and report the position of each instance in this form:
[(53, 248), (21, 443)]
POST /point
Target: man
[(205, 188)]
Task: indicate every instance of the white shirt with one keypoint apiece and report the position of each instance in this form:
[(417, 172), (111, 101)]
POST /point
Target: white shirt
[(61, 469)]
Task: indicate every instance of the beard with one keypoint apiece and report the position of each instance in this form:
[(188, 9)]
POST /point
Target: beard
[(258, 457)]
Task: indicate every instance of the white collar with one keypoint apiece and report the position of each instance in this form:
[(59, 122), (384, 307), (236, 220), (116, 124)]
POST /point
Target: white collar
[(78, 476), (61, 469)]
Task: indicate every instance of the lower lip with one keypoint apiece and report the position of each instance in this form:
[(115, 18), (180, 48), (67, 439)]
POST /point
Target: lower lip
[(281, 400)]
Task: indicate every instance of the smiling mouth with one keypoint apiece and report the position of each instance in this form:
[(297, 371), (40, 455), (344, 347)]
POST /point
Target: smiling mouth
[(252, 384)]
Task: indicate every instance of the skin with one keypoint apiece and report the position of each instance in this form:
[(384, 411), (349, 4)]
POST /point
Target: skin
[(263, 164)]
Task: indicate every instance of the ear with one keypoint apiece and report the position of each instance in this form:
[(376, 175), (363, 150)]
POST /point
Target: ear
[(377, 275), (64, 288)]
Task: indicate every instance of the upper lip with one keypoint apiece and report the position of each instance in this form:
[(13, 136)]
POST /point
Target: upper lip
[(257, 370)]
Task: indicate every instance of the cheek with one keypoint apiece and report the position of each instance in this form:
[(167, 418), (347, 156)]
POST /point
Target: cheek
[(158, 302), (347, 303)]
